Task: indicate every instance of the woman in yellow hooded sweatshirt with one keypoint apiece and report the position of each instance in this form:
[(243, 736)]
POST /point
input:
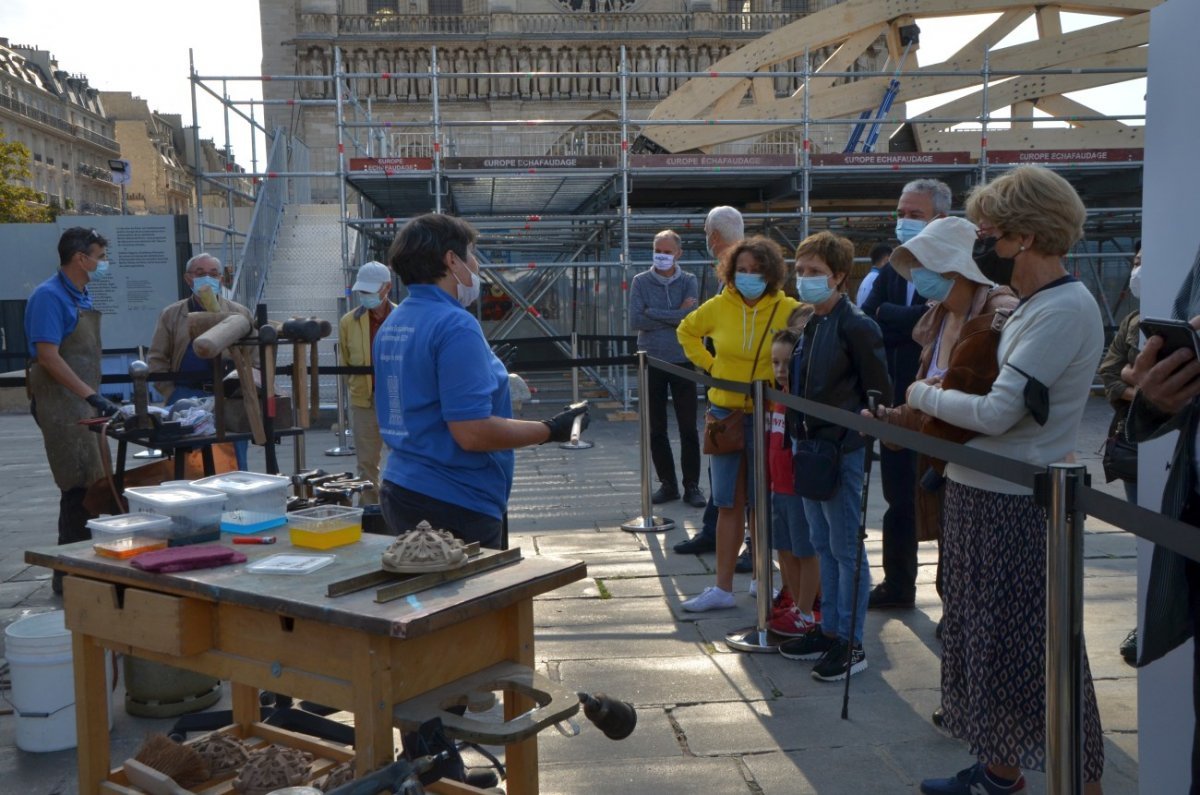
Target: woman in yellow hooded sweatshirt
[(740, 321)]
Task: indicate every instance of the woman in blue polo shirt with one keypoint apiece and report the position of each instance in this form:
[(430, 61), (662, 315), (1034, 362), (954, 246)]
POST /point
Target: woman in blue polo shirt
[(441, 395)]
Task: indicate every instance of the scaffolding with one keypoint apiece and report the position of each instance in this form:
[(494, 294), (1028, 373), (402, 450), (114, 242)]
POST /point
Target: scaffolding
[(566, 207)]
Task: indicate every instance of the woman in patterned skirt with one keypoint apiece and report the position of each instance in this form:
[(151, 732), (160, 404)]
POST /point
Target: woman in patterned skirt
[(994, 533)]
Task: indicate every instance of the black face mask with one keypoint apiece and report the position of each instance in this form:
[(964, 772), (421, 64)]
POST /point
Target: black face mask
[(995, 267)]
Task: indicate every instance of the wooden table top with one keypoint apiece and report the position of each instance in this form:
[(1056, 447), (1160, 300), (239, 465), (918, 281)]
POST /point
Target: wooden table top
[(303, 596)]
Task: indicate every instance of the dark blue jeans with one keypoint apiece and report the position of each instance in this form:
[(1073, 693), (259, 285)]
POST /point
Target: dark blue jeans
[(404, 508)]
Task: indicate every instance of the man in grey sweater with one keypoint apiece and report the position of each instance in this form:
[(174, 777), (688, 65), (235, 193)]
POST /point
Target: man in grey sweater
[(659, 298)]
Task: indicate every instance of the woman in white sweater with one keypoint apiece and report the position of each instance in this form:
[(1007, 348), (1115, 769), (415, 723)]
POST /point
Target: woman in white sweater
[(994, 534)]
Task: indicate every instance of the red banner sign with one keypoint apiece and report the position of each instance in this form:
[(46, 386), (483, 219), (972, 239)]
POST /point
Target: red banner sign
[(712, 161), (892, 159), (1058, 156), (527, 163), (390, 165)]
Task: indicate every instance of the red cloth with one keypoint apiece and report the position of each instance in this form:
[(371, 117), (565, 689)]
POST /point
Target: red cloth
[(779, 453), (171, 559)]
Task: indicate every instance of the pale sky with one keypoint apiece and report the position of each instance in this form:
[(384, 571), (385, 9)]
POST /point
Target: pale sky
[(142, 46)]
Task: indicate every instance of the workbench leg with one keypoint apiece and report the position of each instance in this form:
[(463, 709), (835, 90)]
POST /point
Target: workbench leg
[(372, 674), (246, 709), (521, 758), (91, 711)]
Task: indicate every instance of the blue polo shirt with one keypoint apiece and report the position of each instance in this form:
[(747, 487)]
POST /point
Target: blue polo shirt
[(52, 311), (434, 366)]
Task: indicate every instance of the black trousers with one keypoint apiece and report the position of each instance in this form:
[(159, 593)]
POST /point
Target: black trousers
[(898, 469), (404, 508), (73, 517), (683, 395), (1191, 515)]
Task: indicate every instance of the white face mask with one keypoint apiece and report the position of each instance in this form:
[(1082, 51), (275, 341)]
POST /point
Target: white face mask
[(467, 293), (663, 262), (1135, 282)]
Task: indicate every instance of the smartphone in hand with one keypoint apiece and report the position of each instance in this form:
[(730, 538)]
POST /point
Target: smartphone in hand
[(1176, 334)]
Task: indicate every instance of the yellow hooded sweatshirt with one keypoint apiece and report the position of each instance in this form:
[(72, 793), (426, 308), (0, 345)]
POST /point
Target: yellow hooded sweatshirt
[(736, 331)]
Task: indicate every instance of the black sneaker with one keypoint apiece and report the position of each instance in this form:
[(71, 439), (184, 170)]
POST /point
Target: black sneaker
[(696, 545), (937, 631), (694, 497), (807, 647), (745, 563), (665, 494), (1129, 647), (938, 718), (884, 596), (832, 667)]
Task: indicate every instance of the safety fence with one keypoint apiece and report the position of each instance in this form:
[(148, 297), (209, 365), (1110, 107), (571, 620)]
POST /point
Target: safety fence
[(1064, 492)]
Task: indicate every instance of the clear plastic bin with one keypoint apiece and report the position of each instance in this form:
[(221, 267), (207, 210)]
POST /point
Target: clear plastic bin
[(325, 526), (256, 501), (195, 511), (128, 534)]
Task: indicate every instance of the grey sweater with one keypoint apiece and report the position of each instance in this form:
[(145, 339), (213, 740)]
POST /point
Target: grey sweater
[(654, 311)]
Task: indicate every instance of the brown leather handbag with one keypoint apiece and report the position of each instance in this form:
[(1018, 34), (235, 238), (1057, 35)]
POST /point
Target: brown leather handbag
[(973, 369)]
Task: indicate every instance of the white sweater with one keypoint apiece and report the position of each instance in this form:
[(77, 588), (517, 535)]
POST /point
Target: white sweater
[(1056, 337)]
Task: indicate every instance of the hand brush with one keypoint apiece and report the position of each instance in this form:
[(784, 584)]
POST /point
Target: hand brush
[(176, 760)]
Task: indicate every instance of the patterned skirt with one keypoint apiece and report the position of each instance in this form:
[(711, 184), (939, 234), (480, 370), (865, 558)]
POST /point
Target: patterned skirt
[(994, 632)]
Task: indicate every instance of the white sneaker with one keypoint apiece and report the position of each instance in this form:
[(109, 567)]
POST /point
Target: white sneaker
[(711, 598), (754, 587)]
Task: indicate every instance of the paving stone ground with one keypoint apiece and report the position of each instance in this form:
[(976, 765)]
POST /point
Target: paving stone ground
[(709, 719)]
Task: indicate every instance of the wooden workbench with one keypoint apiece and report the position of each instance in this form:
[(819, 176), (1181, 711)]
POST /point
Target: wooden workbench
[(283, 634)]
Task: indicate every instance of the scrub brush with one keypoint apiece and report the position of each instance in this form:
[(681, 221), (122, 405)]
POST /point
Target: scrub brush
[(180, 762)]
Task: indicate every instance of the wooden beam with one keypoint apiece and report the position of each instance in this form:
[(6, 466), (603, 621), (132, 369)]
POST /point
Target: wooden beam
[(1065, 107), (1037, 138), (847, 100), (1049, 21), (1023, 108), (994, 33)]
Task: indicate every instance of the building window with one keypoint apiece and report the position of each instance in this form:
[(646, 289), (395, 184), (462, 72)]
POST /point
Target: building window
[(381, 6), (445, 8)]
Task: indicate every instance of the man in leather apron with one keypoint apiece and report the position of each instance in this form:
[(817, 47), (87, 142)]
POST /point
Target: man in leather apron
[(63, 331)]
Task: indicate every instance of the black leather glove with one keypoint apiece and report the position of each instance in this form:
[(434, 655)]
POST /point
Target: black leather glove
[(560, 424), (102, 404)]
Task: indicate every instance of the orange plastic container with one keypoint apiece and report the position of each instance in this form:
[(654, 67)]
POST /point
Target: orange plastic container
[(325, 526)]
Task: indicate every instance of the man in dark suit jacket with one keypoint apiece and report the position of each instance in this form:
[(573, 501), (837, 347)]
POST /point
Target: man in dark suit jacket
[(896, 307), (1167, 400)]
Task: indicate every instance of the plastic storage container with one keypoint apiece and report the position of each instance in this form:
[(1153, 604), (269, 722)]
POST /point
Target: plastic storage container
[(128, 534), (325, 526), (256, 501), (195, 511)]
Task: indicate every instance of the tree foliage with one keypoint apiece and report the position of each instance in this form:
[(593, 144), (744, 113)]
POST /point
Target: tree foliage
[(19, 203)]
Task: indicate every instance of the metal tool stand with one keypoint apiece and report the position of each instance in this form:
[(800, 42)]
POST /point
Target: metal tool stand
[(758, 638), (576, 443), (647, 522)]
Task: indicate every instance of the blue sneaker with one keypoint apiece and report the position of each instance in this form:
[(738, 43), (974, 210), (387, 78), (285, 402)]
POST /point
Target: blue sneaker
[(972, 781)]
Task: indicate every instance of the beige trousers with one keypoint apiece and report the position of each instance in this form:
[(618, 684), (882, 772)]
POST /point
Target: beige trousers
[(369, 449)]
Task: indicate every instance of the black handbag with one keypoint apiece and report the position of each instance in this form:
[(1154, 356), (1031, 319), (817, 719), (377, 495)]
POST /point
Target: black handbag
[(816, 468), (1120, 456)]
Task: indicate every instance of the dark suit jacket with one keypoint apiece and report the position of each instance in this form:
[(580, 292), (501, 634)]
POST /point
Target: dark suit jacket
[(888, 305), (1167, 620)]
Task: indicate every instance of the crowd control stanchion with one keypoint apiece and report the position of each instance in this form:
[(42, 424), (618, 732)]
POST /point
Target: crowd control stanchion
[(647, 522), (345, 445), (1064, 631), (758, 638), (575, 443)]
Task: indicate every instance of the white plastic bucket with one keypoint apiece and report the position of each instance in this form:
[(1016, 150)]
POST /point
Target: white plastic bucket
[(38, 650)]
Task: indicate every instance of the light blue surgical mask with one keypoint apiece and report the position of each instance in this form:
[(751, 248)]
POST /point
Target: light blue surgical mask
[(101, 268), (199, 283), (663, 262), (369, 300), (933, 286), (750, 285), (907, 228), (813, 289)]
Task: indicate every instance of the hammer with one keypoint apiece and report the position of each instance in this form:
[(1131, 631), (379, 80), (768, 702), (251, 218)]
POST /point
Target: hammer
[(214, 332), (139, 371)]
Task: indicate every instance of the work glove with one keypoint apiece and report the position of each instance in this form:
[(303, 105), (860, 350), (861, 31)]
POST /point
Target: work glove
[(103, 405), (560, 424)]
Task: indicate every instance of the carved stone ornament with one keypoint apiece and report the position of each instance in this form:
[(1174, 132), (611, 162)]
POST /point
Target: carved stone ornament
[(222, 753), (424, 549), (272, 768)]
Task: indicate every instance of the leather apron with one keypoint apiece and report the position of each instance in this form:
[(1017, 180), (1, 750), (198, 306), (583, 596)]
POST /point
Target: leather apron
[(71, 449)]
